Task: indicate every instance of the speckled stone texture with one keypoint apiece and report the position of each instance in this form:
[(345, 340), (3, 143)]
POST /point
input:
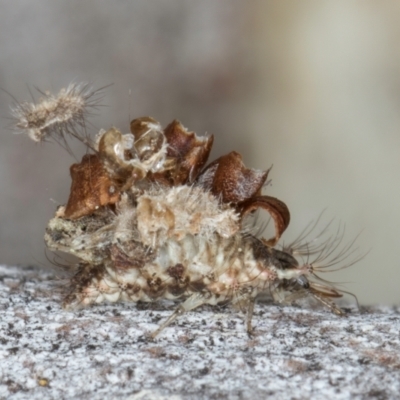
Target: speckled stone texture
[(104, 352)]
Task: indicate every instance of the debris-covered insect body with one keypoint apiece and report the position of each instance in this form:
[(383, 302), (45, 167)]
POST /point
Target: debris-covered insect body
[(149, 220)]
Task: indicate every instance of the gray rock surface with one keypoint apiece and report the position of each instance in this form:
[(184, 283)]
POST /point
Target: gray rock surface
[(104, 352)]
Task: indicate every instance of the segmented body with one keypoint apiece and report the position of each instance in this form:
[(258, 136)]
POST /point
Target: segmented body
[(222, 269), (196, 269)]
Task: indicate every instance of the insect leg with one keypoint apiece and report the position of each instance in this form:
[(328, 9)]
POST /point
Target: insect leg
[(332, 306), (249, 315), (193, 301)]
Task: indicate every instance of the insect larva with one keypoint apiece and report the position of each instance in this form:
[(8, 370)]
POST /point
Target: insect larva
[(148, 221)]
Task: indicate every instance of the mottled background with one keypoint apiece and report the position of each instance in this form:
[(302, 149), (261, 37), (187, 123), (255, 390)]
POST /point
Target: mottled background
[(311, 87)]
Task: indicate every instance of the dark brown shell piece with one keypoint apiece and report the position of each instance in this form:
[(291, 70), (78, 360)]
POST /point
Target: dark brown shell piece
[(228, 178), (276, 208), (190, 151), (91, 188), (235, 183)]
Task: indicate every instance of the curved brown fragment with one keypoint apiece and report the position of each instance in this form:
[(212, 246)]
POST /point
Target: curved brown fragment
[(190, 151), (91, 188), (235, 183), (276, 208)]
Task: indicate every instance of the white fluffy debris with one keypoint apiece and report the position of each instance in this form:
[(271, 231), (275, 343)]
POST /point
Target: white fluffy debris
[(178, 211), (57, 115)]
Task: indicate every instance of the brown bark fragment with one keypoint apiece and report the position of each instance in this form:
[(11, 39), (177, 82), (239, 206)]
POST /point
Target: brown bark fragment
[(91, 188)]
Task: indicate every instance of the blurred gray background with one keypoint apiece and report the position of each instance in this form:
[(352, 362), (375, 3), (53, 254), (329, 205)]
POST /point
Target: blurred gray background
[(312, 87)]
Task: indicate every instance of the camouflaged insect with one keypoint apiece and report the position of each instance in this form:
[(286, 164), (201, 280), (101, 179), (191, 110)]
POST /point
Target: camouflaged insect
[(149, 220)]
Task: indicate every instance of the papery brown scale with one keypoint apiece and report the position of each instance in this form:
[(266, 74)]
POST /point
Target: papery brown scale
[(180, 141), (276, 208), (190, 151), (91, 188), (235, 183), (196, 158)]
